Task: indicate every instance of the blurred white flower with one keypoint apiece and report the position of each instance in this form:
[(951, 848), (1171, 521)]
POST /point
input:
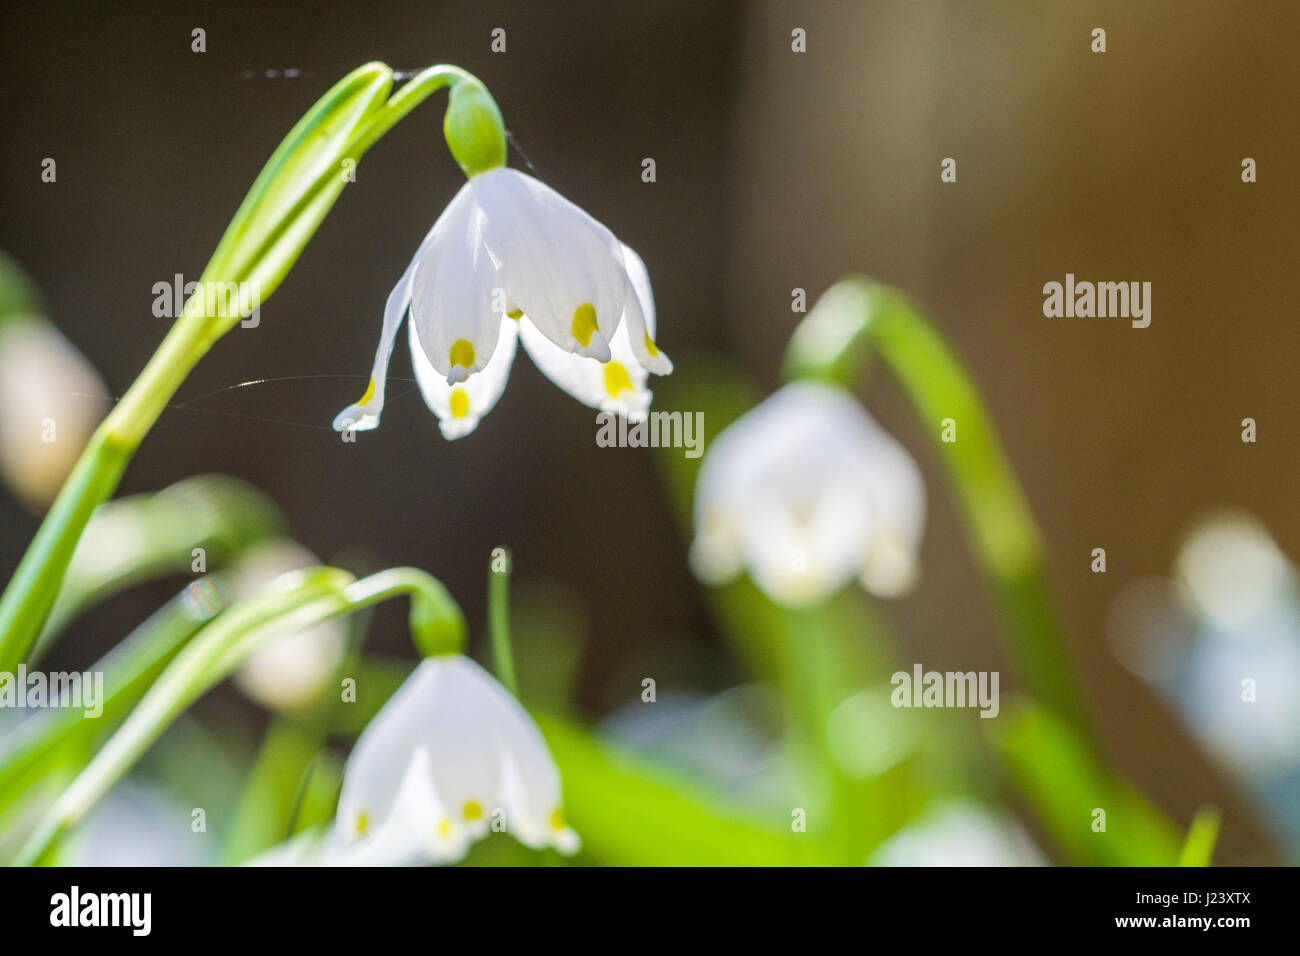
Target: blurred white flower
[(52, 400), (959, 833), (449, 757), (1232, 571), (294, 671), (807, 492), (1243, 591), (509, 257), (137, 824), (1221, 642)]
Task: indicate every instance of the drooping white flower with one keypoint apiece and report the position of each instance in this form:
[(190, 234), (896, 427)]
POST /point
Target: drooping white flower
[(1222, 643), (511, 258), (294, 670), (53, 399), (449, 757), (806, 492)]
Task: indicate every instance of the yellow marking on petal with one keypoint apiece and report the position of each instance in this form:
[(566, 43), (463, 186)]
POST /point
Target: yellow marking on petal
[(363, 823), (370, 393), (650, 345), (584, 323), (444, 828), (557, 819), (515, 314), (459, 403), (617, 380), (462, 353), (472, 810)]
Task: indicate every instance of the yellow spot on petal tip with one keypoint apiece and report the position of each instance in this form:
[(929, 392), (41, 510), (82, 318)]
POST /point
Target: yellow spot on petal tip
[(515, 314), (584, 323), (472, 810), (617, 380), (444, 828), (558, 822), (462, 353), (650, 345), (459, 403), (370, 393), (363, 823)]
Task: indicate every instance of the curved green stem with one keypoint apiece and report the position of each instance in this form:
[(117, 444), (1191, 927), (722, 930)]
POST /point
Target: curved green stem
[(503, 659), (857, 317), (294, 603), (36, 747), (154, 535), (285, 205)]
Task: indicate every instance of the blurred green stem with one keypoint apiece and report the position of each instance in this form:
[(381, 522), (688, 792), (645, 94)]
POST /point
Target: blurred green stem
[(286, 204), (154, 535), (289, 605), (857, 317), (128, 670), (1198, 847), (503, 660), (1097, 817)]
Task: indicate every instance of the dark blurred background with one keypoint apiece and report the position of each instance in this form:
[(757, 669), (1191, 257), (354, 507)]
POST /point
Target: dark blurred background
[(775, 170)]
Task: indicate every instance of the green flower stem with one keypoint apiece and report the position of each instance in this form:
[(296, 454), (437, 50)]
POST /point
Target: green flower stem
[(1096, 816), (40, 745), (293, 783), (153, 535), (286, 761), (30, 594), (503, 660), (1198, 847), (293, 603), (286, 204), (857, 317)]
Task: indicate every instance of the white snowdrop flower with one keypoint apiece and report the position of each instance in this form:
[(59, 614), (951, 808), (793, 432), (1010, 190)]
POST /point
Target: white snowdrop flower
[(1235, 673), (807, 492), (295, 669), (53, 399), (509, 257), (451, 756), (959, 833)]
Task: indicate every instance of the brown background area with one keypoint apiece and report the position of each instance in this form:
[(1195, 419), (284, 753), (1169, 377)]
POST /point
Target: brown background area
[(775, 170)]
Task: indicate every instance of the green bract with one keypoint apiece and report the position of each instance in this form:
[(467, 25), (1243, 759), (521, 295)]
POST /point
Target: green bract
[(474, 129)]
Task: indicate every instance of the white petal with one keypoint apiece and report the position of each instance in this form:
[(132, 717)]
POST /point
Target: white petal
[(364, 414), (531, 792), (404, 836), (715, 556), (639, 316), (455, 303), (616, 386), (378, 769), (462, 406), (491, 756), (563, 267)]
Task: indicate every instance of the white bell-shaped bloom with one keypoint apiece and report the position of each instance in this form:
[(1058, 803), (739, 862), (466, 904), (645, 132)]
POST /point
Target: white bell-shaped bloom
[(53, 398), (511, 258), (450, 757), (807, 492), (294, 670)]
